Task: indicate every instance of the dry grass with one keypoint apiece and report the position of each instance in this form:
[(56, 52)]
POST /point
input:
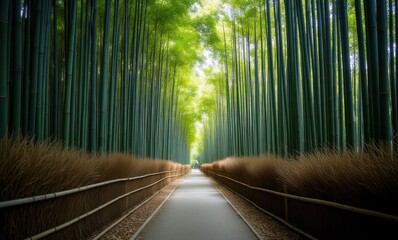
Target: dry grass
[(29, 169), (255, 171), (367, 180)]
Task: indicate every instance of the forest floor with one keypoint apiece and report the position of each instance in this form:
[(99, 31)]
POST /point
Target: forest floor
[(265, 226)]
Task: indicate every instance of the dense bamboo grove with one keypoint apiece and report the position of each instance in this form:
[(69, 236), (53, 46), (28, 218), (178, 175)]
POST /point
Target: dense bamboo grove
[(100, 75), (112, 76), (300, 76)]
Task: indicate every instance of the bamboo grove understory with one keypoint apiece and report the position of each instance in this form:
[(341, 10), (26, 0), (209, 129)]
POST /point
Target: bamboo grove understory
[(305, 75), (102, 76)]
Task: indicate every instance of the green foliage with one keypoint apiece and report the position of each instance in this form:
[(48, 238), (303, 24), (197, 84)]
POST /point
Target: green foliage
[(277, 77), (206, 25), (290, 83), (121, 75)]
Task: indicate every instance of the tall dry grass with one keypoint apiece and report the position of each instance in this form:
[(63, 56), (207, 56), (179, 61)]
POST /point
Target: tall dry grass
[(256, 171), (367, 179), (29, 169)]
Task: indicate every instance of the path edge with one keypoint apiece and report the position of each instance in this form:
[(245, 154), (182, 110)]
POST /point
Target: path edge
[(139, 230), (240, 215)]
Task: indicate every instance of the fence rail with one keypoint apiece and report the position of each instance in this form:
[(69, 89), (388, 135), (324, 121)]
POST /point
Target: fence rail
[(21, 201), (66, 224), (89, 217), (307, 220)]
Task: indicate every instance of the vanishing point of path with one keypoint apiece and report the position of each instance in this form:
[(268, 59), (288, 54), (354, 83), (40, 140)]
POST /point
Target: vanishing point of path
[(196, 210)]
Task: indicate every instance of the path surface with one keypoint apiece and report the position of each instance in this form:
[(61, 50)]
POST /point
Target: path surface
[(196, 210)]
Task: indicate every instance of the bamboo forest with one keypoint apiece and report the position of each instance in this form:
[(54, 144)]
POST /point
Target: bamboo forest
[(289, 106)]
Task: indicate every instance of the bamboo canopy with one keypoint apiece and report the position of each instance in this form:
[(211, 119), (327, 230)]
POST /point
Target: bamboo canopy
[(102, 76), (323, 77), (289, 76)]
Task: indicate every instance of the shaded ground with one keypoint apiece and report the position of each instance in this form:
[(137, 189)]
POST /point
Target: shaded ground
[(266, 227), (196, 210), (127, 228)]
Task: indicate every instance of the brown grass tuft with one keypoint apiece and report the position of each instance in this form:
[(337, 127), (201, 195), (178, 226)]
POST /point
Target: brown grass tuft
[(28, 169), (367, 179), (263, 172), (255, 171)]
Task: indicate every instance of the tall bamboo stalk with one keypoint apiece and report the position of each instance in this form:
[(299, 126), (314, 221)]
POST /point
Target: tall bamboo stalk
[(69, 72), (104, 84), (384, 94), (4, 8)]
